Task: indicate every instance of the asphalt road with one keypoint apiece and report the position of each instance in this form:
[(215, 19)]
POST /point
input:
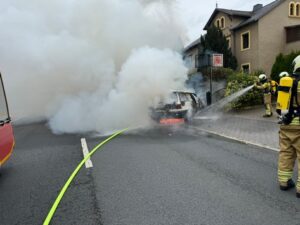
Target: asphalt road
[(159, 176)]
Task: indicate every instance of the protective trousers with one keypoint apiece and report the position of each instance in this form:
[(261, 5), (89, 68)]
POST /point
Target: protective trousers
[(268, 104), (289, 140)]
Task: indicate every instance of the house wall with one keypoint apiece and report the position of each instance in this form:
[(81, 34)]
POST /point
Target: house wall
[(230, 21), (294, 46), (190, 59), (250, 55), (267, 37), (226, 30), (272, 35)]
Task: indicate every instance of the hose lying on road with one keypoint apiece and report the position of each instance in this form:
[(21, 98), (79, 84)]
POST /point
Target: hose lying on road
[(73, 175)]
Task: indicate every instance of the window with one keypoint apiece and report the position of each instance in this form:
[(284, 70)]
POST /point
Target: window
[(246, 68), (298, 9), (189, 61), (292, 34), (204, 60), (292, 9), (228, 42), (222, 22), (218, 23), (3, 107), (183, 97), (245, 40), (197, 61)]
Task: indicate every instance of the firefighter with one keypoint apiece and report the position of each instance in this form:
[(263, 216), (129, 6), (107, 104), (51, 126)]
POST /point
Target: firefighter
[(289, 135), (265, 85)]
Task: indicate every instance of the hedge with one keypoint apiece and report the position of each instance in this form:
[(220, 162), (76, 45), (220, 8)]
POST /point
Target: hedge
[(217, 73), (238, 81)]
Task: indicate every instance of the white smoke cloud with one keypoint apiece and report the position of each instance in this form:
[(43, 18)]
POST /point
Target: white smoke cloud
[(147, 73), (64, 60)]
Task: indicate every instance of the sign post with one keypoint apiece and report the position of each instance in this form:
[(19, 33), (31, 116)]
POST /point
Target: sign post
[(217, 61)]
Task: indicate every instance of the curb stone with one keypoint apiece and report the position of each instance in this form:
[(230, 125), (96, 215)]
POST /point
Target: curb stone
[(236, 139)]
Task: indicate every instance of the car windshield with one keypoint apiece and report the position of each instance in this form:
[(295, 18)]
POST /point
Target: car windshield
[(171, 98), (3, 105), (184, 97)]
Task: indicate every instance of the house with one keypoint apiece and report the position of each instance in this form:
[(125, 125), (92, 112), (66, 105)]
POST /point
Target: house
[(190, 56), (196, 58), (256, 37)]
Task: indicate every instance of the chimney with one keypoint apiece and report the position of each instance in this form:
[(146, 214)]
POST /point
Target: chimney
[(257, 7)]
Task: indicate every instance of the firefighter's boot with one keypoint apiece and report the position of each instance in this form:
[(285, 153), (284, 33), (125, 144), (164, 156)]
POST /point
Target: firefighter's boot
[(289, 185)]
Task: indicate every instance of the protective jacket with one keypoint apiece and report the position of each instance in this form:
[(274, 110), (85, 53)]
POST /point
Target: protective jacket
[(289, 135), (266, 88), (274, 87)]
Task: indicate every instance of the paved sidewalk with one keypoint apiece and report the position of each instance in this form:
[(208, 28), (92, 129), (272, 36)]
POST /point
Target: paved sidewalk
[(246, 125)]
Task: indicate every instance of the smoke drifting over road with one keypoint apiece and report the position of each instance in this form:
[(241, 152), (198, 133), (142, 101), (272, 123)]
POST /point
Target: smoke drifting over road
[(93, 65)]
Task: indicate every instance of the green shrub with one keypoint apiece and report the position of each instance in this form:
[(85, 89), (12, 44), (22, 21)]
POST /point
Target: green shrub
[(258, 72), (239, 81), (222, 73), (283, 63), (218, 73)]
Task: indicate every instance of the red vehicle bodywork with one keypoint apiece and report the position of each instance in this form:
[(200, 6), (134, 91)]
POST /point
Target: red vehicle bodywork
[(6, 130), (6, 142)]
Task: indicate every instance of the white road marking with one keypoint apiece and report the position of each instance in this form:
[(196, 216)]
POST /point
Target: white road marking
[(85, 150)]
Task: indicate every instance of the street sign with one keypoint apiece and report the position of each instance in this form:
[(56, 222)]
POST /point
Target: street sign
[(217, 60)]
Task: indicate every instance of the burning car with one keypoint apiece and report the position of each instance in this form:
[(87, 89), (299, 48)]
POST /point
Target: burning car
[(179, 106)]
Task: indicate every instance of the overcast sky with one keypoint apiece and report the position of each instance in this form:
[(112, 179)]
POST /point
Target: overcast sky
[(195, 13)]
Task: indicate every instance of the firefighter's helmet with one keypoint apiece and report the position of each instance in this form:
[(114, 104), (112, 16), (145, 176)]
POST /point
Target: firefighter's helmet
[(283, 74), (296, 64), (262, 77)]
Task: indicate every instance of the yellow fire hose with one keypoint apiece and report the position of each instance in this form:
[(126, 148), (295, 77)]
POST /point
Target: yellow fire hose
[(73, 175)]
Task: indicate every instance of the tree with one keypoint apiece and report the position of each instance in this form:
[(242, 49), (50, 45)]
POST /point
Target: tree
[(215, 40), (283, 63)]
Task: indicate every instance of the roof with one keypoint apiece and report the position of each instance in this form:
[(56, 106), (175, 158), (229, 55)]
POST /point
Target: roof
[(259, 14), (230, 12), (250, 16), (192, 45)]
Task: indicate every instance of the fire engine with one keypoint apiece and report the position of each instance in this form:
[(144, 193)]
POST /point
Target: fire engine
[(6, 130)]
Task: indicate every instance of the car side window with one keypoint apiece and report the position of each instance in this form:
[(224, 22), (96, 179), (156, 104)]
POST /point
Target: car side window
[(189, 98), (3, 106)]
